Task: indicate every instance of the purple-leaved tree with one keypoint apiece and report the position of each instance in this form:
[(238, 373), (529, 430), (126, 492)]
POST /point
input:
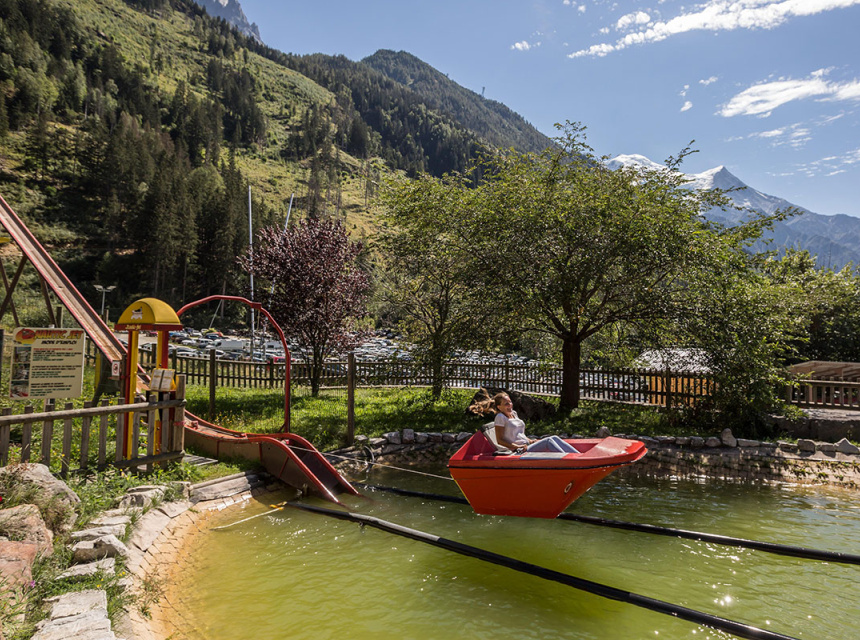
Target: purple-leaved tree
[(318, 291)]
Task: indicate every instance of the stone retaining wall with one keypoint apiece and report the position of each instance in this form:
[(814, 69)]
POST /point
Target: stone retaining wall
[(722, 457)]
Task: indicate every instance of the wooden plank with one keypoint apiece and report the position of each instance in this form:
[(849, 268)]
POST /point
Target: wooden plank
[(27, 435), (135, 435), (5, 430), (150, 431), (86, 422), (166, 430), (103, 431), (91, 411), (47, 434), (178, 441), (65, 460), (162, 457), (119, 454)]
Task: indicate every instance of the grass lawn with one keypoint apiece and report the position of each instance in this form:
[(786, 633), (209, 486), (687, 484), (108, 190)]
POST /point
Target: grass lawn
[(322, 420)]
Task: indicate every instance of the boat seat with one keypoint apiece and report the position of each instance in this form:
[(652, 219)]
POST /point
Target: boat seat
[(489, 431)]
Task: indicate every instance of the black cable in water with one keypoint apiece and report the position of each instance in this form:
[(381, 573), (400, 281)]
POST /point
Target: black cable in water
[(691, 615), (769, 547)]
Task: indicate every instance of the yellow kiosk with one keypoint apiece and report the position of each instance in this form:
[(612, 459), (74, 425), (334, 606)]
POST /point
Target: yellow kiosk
[(146, 314)]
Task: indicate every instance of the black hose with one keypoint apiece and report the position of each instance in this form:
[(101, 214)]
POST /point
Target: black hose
[(739, 629), (769, 547)]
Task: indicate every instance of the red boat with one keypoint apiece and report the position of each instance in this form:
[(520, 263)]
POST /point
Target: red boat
[(535, 484)]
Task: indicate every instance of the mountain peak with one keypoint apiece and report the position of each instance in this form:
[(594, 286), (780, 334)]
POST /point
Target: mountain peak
[(232, 12)]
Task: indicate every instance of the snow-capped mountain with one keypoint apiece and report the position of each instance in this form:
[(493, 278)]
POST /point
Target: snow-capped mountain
[(232, 12), (834, 240)]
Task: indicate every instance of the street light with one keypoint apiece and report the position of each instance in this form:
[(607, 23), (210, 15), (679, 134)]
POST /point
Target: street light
[(103, 291)]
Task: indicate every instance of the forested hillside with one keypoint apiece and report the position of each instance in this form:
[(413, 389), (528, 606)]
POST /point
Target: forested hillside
[(130, 131), (491, 120)]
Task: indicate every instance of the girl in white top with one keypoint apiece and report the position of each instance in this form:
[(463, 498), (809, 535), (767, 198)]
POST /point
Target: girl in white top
[(511, 431)]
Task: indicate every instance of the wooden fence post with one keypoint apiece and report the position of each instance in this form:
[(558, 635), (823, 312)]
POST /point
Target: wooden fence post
[(65, 460), (26, 436), (47, 435), (667, 388), (212, 385), (103, 429), (4, 438), (86, 422), (178, 440), (350, 399)]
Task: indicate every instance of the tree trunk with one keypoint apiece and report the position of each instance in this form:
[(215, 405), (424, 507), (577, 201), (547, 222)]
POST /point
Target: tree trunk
[(438, 379), (316, 373), (571, 352)]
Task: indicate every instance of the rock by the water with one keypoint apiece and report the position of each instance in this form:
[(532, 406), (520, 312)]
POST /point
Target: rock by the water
[(104, 547), (844, 446), (727, 438), (805, 445)]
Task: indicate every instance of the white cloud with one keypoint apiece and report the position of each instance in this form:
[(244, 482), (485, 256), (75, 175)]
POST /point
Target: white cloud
[(831, 165), (718, 15), (684, 90), (687, 106), (631, 19), (581, 8), (603, 30), (795, 136), (762, 99), (773, 133), (708, 81), (524, 46)]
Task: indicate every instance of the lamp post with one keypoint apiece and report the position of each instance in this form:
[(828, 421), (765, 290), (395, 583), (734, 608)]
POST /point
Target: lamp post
[(103, 291)]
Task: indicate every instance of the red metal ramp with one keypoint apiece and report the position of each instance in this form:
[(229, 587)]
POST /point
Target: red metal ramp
[(59, 283), (286, 456)]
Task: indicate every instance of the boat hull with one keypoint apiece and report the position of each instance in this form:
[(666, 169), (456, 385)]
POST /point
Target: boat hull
[(535, 485)]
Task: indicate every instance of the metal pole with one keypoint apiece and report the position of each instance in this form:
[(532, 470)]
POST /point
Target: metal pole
[(286, 223), (251, 261)]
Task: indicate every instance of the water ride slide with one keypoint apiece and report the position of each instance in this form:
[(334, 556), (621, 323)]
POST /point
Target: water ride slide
[(285, 456)]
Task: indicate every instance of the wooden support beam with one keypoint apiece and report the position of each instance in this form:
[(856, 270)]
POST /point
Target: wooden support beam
[(10, 288), (47, 297)]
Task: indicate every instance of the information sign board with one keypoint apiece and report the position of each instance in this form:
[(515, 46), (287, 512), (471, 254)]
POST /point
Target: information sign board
[(47, 363)]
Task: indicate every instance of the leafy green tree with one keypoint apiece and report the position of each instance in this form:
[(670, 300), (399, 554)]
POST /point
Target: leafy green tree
[(831, 300), (318, 291), (743, 327), (566, 247), (426, 278)]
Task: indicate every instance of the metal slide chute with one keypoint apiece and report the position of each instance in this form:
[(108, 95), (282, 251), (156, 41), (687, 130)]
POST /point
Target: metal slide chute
[(285, 456), (59, 283)]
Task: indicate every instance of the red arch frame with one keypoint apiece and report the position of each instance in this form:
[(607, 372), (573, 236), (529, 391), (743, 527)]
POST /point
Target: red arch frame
[(287, 355)]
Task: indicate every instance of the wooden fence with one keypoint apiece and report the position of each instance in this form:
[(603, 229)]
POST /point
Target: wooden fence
[(640, 386), (97, 434), (825, 394)]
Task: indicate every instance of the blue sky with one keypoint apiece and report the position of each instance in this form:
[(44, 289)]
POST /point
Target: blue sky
[(770, 89)]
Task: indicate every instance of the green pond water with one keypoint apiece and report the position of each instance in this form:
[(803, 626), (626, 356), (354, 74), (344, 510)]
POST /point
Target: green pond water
[(293, 574)]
